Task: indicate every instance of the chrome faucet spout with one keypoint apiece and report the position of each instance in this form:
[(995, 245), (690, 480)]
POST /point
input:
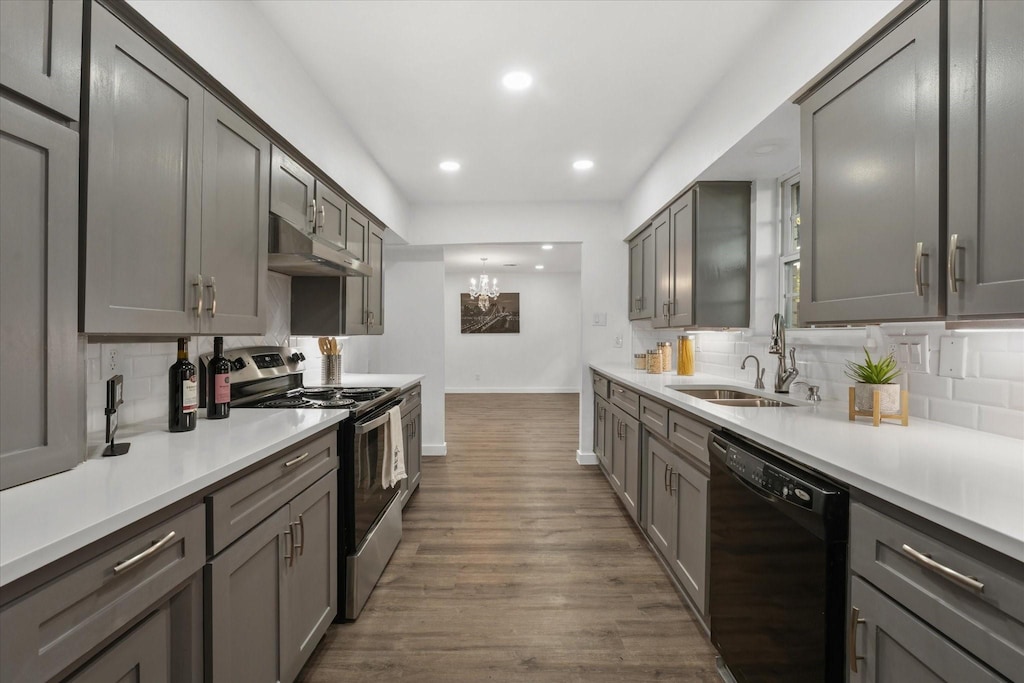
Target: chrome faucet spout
[(784, 375), (758, 372)]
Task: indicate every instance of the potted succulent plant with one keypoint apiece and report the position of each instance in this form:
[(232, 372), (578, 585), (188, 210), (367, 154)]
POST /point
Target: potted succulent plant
[(871, 376)]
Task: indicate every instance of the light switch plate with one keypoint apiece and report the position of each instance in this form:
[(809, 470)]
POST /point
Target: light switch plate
[(600, 319), (952, 357), (910, 350)]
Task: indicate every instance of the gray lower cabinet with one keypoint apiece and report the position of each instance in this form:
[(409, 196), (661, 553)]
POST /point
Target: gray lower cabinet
[(41, 52), (94, 615), (625, 460), (412, 443), (38, 296), (890, 644), (291, 191), (870, 177), (641, 275), (676, 490), (702, 258), (177, 209), (602, 428), (272, 593), (985, 259)]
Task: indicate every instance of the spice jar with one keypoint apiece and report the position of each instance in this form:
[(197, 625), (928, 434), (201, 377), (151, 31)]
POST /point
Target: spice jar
[(685, 365), (654, 362), (639, 361), (666, 356)]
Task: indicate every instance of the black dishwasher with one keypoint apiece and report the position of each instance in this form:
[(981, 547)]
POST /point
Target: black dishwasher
[(778, 537)]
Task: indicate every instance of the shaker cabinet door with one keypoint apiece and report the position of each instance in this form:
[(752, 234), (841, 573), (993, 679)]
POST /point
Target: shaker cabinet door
[(38, 296), (985, 260), (375, 283), (143, 655), (291, 191), (331, 215), (143, 222), (664, 282), (689, 558), (680, 301), (661, 505), (870, 172), (236, 179), (41, 52)]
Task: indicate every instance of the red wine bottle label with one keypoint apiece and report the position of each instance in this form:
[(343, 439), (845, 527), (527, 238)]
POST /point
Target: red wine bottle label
[(189, 395), (222, 388)]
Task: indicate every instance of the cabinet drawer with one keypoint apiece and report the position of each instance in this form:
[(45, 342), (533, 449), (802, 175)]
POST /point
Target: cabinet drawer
[(413, 398), (626, 399), (600, 386), (240, 506), (689, 435), (986, 622), (654, 416), (47, 630)]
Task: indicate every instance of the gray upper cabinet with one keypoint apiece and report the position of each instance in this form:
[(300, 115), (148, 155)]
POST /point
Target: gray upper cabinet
[(291, 191), (177, 211), (641, 278), (985, 257), (236, 173), (701, 274), (375, 283), (870, 172), (331, 215), (38, 296), (144, 208), (41, 52)]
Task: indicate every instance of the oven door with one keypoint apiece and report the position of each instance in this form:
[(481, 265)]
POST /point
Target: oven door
[(370, 499)]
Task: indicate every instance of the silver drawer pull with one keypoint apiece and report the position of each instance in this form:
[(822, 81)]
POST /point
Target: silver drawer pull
[(296, 461), (927, 562), (148, 552)]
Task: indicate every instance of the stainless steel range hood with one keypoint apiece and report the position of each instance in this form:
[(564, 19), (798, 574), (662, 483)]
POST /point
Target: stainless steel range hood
[(293, 251)]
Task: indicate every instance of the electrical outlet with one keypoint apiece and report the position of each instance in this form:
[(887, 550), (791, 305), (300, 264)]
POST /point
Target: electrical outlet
[(618, 342), (600, 319), (110, 357), (477, 377)]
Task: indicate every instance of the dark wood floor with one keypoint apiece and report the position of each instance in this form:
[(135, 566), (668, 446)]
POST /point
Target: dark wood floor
[(517, 564)]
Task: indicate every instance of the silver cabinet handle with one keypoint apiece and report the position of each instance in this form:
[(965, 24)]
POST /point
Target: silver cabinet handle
[(672, 480), (951, 263), (855, 620), (289, 549), (312, 207), (666, 476), (919, 256), (296, 461), (302, 536), (198, 285), (926, 561), (213, 297), (323, 218), (148, 552)]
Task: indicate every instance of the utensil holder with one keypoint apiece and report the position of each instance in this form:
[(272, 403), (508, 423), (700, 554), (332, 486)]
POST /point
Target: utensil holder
[(330, 369)]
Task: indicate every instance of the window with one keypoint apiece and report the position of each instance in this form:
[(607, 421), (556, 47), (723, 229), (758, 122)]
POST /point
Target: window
[(789, 259)]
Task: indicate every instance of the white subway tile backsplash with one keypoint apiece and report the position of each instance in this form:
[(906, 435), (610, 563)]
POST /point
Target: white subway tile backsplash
[(1016, 396), (152, 366), (1001, 421), (990, 392), (953, 412), (918, 406), (1002, 365), (931, 385), (136, 388)]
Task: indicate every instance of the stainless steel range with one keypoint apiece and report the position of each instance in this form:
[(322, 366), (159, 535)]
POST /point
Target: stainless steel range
[(370, 516)]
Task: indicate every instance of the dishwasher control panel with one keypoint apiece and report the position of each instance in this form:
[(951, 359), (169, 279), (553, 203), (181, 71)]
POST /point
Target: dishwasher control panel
[(769, 478)]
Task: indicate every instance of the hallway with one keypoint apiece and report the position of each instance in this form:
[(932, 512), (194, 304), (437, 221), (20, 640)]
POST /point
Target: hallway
[(516, 564)]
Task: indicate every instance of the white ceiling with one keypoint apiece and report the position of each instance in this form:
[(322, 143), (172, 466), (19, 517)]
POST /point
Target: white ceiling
[(465, 258), (419, 82)]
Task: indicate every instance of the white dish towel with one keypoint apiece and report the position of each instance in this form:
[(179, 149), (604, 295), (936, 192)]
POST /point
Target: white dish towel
[(393, 467)]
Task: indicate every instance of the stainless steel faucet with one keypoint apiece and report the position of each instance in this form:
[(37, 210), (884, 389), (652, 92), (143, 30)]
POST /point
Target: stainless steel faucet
[(758, 372), (784, 376)]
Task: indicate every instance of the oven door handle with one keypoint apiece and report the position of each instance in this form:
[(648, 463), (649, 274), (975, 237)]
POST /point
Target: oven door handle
[(366, 427)]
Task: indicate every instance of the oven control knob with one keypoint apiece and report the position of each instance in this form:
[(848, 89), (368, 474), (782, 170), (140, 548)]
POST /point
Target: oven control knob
[(238, 364), (802, 495), (296, 357)]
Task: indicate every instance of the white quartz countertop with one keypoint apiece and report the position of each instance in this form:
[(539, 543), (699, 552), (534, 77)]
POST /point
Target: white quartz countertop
[(355, 380), (968, 481), (47, 519)]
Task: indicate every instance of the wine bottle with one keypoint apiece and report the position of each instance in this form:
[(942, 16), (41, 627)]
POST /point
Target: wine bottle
[(182, 392), (218, 383)]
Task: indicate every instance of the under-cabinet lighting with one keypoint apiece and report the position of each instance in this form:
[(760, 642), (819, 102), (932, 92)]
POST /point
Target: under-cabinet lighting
[(547, 247), (449, 166), (517, 80), (583, 164)]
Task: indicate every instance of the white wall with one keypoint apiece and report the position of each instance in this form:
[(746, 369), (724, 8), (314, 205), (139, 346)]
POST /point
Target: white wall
[(239, 47), (543, 358), (804, 39), (413, 339)]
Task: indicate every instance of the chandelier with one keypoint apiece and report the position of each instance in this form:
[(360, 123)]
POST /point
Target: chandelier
[(486, 292)]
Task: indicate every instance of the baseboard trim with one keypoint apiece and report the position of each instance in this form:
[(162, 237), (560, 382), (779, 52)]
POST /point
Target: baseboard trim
[(512, 390), (586, 458), (435, 449)]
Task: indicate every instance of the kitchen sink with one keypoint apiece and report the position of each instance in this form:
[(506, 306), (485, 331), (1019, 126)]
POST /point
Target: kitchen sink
[(733, 397)]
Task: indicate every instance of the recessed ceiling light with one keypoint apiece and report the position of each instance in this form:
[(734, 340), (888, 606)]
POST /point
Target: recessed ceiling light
[(583, 164), (765, 149), (517, 80), (547, 247), (449, 166), (510, 265), (539, 267)]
